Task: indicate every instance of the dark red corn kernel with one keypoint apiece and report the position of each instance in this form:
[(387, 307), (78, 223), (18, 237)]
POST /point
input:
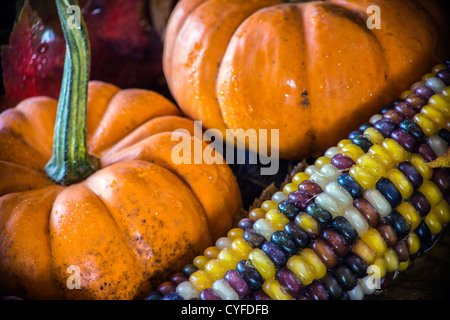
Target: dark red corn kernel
[(325, 253), (356, 265), (278, 257), (245, 223), (300, 236), (261, 295), (415, 101), (425, 151), (346, 278), (388, 233), (399, 223), (209, 294), (336, 242), (289, 281), (316, 291), (189, 269), (405, 110), (166, 287), (341, 162), (284, 241), (445, 134), (254, 239), (420, 202), (389, 191), (178, 278), (425, 236), (402, 250), (444, 75), (385, 127), (155, 295), (386, 280), (333, 287), (362, 142), (368, 211), (393, 117), (411, 173), (441, 177), (404, 139), (237, 282), (250, 275), (424, 92), (354, 134), (289, 209), (309, 188), (300, 199)]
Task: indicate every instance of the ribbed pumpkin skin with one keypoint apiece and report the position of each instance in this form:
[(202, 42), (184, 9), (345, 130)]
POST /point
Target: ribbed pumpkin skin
[(135, 221), (311, 70)]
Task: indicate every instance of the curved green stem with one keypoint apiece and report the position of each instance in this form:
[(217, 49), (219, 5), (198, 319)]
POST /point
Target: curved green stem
[(70, 162)]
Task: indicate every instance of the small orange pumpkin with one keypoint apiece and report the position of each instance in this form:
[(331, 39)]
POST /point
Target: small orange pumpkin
[(110, 201), (312, 70)]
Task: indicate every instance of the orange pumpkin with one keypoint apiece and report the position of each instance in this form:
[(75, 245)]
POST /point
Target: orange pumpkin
[(135, 220), (312, 70)]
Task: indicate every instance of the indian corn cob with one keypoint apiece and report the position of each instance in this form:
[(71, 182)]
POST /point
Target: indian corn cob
[(370, 203)]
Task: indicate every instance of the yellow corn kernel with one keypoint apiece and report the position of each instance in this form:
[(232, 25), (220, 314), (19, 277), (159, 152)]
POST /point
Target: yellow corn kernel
[(431, 192), (372, 163), (211, 252), (301, 269), (381, 264), (201, 280), (382, 154), (269, 204), (321, 161), (235, 233), (405, 94), (401, 183), (318, 268), (433, 223), (362, 250), (215, 269), (228, 258), (262, 263), (413, 243), (442, 211), (421, 165), (410, 214), (364, 178), (200, 261), (375, 241), (391, 259), (427, 76), (300, 177), (402, 266), (289, 187), (308, 223), (427, 125), (352, 151), (446, 93), (438, 68), (275, 290), (396, 151), (241, 248), (256, 214), (276, 219), (343, 143), (440, 102), (436, 115), (374, 136)]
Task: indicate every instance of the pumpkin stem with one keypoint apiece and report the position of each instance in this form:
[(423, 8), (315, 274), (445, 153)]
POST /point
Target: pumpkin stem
[(70, 162)]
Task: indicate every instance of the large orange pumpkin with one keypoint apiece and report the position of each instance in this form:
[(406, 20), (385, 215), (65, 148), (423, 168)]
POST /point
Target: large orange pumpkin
[(312, 70), (135, 220)]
